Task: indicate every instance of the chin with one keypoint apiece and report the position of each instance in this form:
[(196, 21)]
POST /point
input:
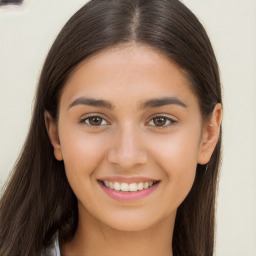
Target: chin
[(131, 226), (134, 222)]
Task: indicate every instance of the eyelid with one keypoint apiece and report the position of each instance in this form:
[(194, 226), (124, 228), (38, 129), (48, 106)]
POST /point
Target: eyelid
[(91, 115), (172, 120)]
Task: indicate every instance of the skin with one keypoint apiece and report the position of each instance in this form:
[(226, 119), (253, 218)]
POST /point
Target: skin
[(129, 141)]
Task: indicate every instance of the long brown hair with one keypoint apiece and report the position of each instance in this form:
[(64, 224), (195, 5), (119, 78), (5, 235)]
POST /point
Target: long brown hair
[(38, 200)]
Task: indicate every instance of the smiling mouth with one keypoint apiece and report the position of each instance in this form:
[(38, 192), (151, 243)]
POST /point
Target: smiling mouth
[(126, 187)]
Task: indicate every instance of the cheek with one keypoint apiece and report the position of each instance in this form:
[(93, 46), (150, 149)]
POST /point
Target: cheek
[(82, 153), (177, 156), (179, 150)]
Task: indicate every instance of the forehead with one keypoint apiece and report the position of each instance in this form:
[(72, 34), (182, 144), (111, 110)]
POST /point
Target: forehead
[(128, 73)]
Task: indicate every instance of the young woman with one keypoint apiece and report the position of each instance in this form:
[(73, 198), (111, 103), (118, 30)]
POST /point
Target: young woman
[(123, 152)]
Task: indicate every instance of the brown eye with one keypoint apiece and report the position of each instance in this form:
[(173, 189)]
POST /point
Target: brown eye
[(95, 121), (161, 121)]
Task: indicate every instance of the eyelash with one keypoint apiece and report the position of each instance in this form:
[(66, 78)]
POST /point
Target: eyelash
[(87, 121), (169, 121)]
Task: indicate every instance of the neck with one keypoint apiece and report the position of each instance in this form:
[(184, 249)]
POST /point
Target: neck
[(94, 239)]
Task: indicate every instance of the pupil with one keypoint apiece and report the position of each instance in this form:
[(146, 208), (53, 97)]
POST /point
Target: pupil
[(160, 121), (95, 120)]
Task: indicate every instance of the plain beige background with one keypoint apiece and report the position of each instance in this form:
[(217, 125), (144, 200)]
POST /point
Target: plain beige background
[(27, 32)]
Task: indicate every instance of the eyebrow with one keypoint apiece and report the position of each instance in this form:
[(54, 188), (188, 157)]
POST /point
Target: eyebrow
[(158, 102), (162, 102), (91, 102)]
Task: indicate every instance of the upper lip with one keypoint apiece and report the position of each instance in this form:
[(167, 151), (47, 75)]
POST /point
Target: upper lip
[(128, 180)]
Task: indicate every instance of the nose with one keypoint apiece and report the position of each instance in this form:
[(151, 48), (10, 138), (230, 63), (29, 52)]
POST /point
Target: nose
[(127, 149)]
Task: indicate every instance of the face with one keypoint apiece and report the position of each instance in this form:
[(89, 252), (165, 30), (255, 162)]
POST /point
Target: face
[(130, 133)]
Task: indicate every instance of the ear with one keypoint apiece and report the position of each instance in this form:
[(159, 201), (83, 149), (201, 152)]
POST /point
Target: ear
[(52, 130), (210, 136)]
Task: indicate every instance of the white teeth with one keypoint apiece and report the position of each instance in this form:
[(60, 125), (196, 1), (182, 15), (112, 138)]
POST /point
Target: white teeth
[(133, 187), (145, 185), (125, 187), (111, 185), (106, 183), (117, 186), (140, 186)]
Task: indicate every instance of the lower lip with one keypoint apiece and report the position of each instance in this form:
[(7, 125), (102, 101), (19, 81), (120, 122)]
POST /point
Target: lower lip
[(128, 196)]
